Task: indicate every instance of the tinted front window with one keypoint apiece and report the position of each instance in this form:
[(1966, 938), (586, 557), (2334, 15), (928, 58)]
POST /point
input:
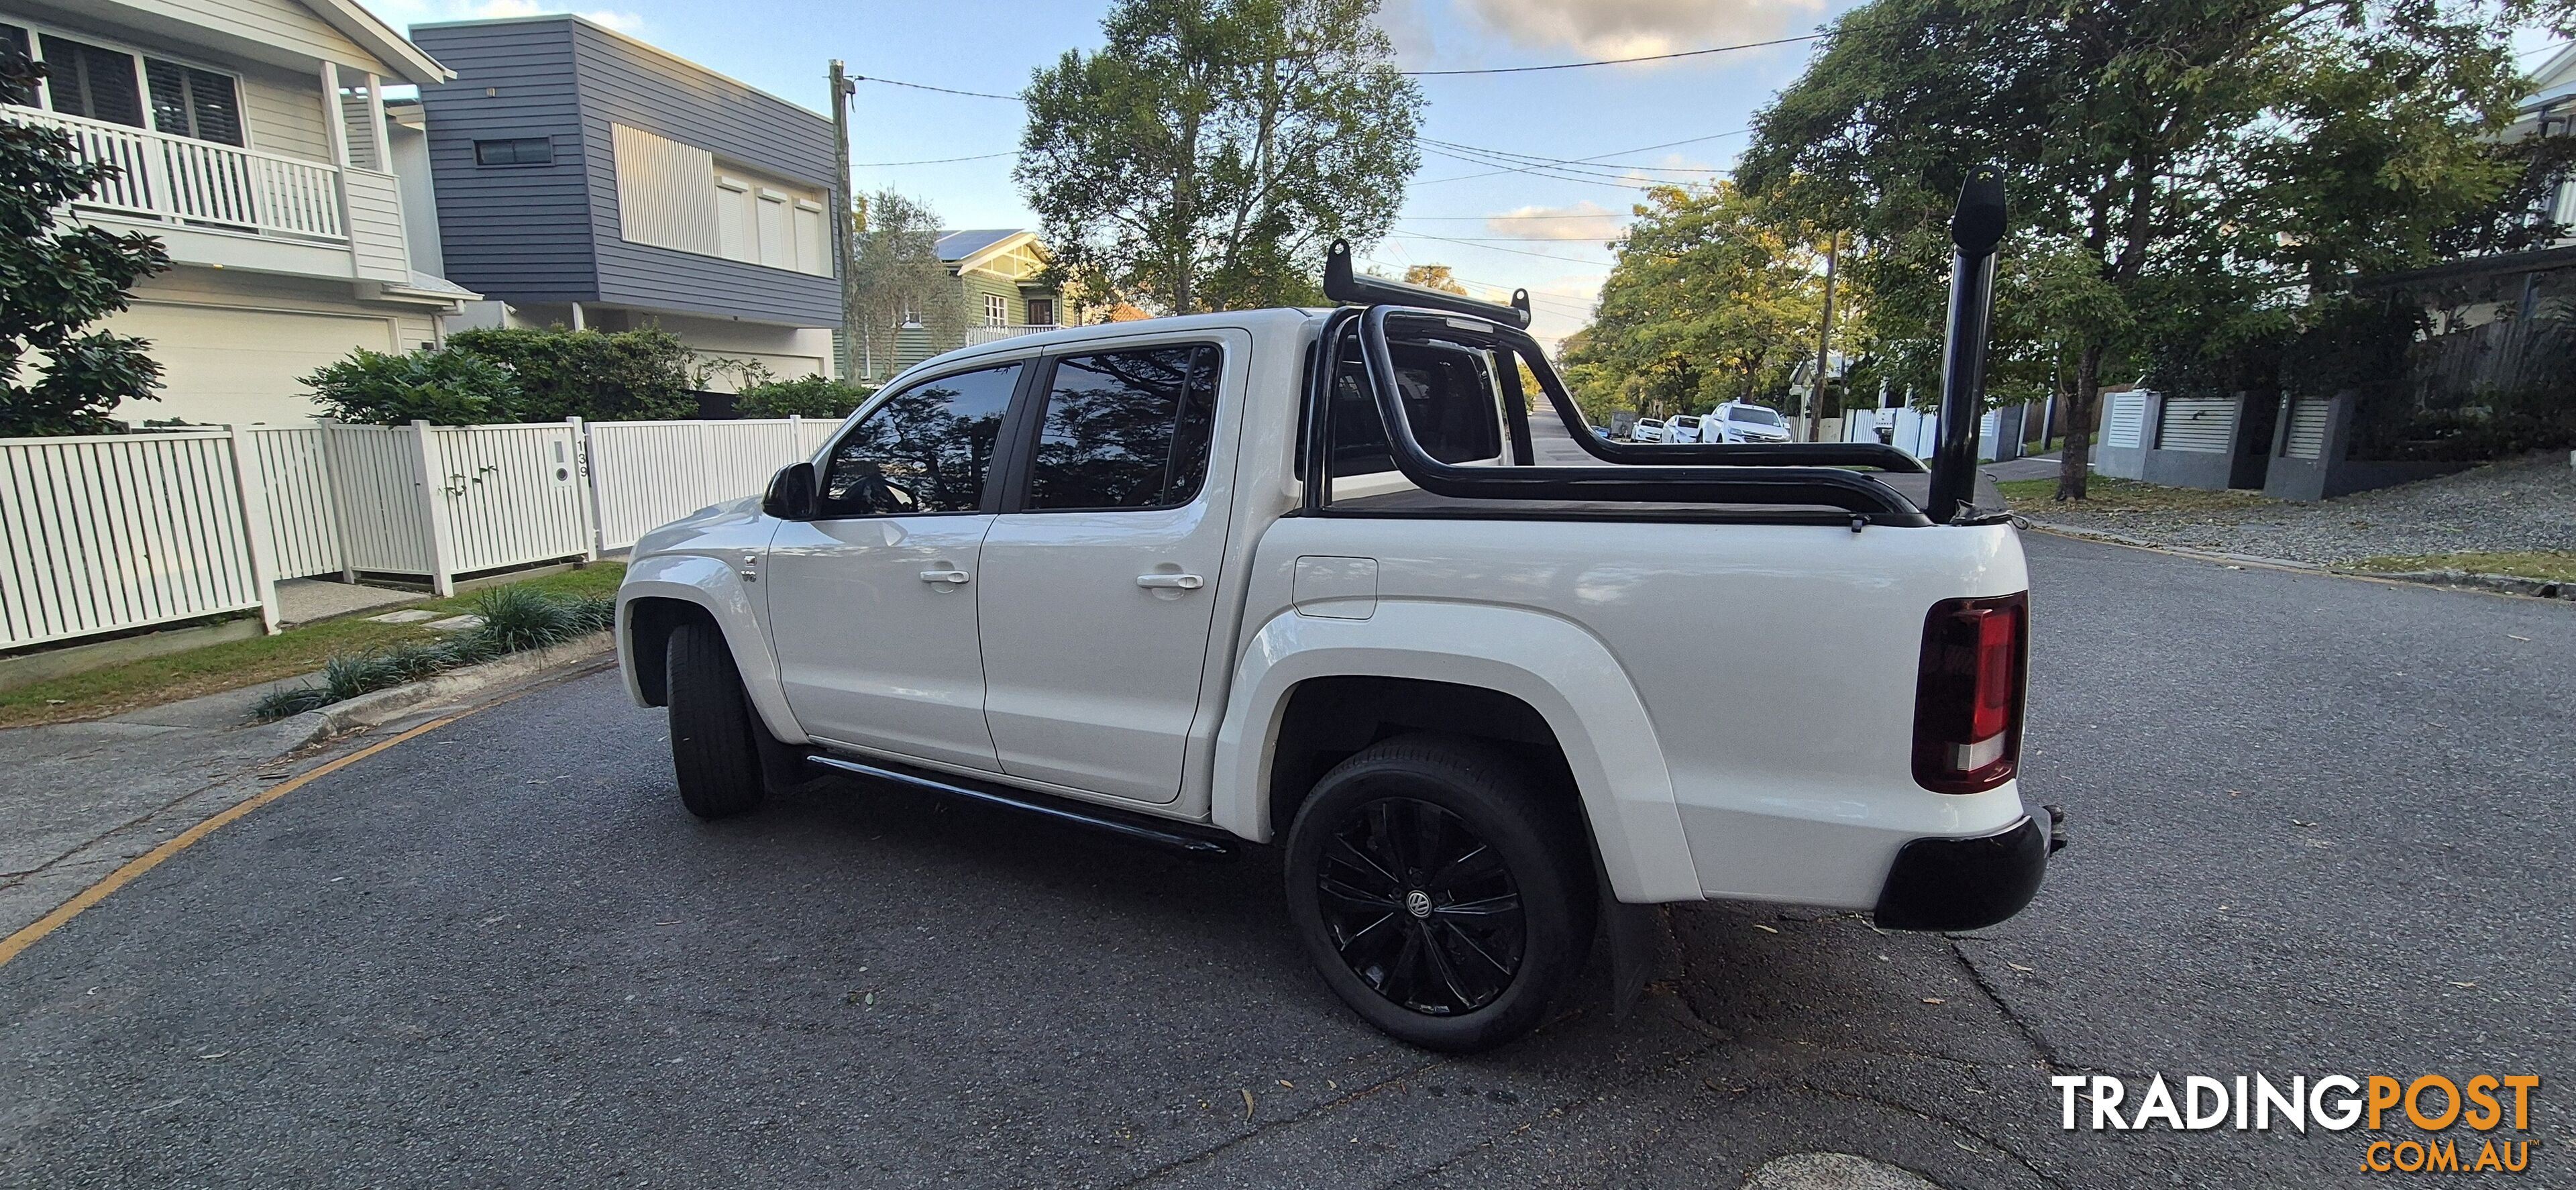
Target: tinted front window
[(1753, 414), (1126, 429), (927, 449)]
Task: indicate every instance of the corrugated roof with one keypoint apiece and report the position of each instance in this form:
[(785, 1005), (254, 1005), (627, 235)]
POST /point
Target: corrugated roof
[(958, 245)]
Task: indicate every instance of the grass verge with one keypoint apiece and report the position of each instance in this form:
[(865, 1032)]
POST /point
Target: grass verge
[(232, 665), (2105, 494), (2546, 565)]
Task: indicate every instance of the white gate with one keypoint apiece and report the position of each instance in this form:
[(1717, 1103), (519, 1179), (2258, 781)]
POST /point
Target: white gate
[(377, 482), (505, 496), (292, 482)]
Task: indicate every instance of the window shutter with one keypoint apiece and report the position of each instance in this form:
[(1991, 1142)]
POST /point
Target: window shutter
[(190, 102), (13, 43), (86, 80)]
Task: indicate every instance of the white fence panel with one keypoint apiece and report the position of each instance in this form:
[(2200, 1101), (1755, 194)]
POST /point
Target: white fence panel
[(2123, 419), (510, 495), (649, 473), (115, 532), (293, 473), (2309, 417), (375, 481)]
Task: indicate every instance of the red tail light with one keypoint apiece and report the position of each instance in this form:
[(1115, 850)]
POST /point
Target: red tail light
[(1968, 696)]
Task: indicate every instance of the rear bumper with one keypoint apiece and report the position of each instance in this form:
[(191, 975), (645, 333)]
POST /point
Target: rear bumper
[(1961, 884)]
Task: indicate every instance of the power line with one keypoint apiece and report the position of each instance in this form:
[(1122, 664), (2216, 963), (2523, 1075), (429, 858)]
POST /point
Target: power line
[(1538, 159), (1583, 160), (869, 78), (1721, 49), (1542, 171), (930, 160), (1491, 218), (1424, 235)]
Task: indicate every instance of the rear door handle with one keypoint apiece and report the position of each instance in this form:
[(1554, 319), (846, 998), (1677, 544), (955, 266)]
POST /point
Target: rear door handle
[(1184, 582), (943, 576)]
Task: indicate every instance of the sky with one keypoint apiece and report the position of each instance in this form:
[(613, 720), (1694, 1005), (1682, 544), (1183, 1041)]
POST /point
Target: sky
[(1468, 216), (1498, 230)]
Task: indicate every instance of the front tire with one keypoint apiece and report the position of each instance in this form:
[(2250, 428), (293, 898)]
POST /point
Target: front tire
[(715, 741), (1441, 891)]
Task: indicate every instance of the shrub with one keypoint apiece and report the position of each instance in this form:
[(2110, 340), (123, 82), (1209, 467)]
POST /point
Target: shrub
[(595, 375), (805, 396), (514, 619), (448, 387)]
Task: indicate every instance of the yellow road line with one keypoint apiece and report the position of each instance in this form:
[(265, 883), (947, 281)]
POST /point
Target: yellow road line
[(10, 947)]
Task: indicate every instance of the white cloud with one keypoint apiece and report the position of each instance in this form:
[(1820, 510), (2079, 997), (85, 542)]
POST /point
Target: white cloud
[(1635, 28), (1586, 220)]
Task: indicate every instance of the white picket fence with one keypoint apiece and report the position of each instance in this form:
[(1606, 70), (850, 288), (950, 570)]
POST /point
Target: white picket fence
[(111, 533)]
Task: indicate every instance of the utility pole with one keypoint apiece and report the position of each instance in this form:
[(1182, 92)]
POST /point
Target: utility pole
[(842, 89), (1824, 340)]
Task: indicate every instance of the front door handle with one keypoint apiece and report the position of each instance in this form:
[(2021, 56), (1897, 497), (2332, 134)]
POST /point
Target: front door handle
[(943, 576), (1184, 582)]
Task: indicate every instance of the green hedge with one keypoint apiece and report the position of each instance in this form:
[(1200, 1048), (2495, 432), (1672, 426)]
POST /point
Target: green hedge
[(515, 375)]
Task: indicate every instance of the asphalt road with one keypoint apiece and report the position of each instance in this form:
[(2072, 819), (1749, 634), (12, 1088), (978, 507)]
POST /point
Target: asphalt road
[(2320, 826)]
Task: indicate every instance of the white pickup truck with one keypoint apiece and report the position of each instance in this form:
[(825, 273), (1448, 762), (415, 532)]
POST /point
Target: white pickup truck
[(1100, 574)]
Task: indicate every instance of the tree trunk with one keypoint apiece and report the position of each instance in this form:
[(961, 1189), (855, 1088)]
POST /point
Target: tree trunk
[(2075, 464)]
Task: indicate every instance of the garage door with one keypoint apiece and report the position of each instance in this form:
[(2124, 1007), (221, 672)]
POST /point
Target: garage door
[(223, 366)]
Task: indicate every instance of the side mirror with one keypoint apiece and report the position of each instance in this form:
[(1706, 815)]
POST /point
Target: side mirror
[(791, 493)]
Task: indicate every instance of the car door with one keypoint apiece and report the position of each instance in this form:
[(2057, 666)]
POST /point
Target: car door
[(872, 603), (1102, 576)]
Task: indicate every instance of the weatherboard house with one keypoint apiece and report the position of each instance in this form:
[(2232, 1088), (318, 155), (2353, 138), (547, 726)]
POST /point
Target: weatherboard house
[(1000, 276), (252, 142)]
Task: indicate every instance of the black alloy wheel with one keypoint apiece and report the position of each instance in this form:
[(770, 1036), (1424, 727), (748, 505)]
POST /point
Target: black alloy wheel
[(1444, 888), (1421, 909)]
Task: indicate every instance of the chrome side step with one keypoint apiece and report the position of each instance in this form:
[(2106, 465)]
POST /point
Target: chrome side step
[(1201, 843)]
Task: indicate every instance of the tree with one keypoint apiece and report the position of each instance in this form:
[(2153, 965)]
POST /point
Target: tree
[(1712, 299), (896, 277), (1434, 276), (1208, 153), (2182, 171), (55, 281)]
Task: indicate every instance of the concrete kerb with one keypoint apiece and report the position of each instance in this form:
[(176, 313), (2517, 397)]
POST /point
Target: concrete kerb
[(2501, 583), (385, 706)]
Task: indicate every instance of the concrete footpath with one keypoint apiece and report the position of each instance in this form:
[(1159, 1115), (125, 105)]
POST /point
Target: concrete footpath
[(78, 800)]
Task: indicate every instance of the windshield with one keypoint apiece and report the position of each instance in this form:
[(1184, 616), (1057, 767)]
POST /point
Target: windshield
[(1753, 413), (1687, 423)]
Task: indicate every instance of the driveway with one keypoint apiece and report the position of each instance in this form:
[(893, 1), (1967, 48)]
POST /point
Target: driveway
[(2320, 826)]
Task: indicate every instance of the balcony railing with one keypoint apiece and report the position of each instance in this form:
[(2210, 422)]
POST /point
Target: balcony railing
[(181, 180), (995, 334)]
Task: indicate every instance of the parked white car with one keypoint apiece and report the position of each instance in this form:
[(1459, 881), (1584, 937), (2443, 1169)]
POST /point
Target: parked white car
[(1683, 428), (1743, 421), (1647, 429), (1092, 574)]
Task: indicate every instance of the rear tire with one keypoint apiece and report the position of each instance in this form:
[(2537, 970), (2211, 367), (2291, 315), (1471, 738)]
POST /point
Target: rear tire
[(715, 738), (1442, 891)]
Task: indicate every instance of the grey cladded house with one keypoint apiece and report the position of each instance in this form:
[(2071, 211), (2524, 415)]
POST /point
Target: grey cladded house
[(587, 179)]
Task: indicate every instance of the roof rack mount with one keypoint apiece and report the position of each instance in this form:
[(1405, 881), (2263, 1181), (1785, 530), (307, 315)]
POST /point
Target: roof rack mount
[(1346, 285)]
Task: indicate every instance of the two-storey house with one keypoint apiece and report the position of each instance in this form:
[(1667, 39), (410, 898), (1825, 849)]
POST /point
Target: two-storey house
[(587, 179), (253, 144), (1000, 277)]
